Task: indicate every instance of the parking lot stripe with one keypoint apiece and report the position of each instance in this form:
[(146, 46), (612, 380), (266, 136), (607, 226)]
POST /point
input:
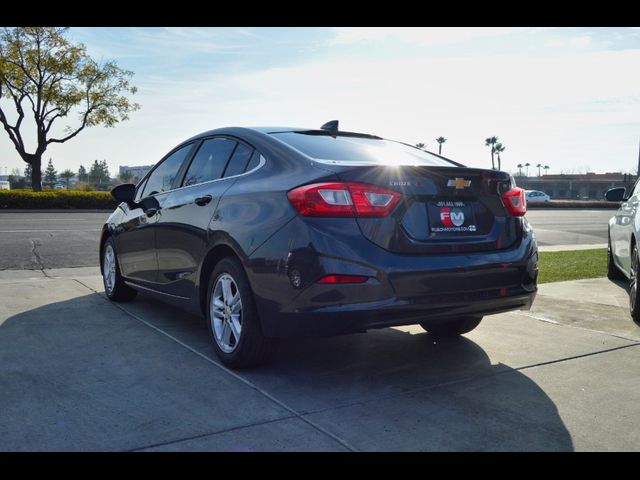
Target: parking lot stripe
[(250, 384)]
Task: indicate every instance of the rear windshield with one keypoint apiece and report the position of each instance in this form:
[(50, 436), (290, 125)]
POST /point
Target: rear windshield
[(358, 150)]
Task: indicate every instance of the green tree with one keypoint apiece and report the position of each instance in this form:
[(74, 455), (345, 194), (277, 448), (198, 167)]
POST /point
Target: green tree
[(545, 168), (491, 142), (527, 165), (106, 176), (440, 141), (95, 172), (50, 174), (67, 175), (43, 71), (539, 166), (99, 172), (520, 169), (82, 174), (421, 146), (499, 148)]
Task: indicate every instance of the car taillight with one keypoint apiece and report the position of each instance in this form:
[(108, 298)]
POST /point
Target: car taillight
[(515, 201), (343, 200)]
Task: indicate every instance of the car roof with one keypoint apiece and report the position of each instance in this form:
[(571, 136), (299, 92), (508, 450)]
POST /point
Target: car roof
[(266, 130)]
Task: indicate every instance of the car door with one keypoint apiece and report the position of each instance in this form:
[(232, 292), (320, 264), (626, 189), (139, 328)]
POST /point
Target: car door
[(623, 229), (135, 243), (182, 234)]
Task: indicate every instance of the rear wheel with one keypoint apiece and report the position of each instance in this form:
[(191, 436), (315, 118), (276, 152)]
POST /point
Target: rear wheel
[(613, 273), (114, 286), (233, 320), (634, 299), (452, 328)]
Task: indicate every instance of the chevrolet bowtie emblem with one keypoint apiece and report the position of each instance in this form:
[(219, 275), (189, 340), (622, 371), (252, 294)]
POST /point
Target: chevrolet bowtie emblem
[(459, 183)]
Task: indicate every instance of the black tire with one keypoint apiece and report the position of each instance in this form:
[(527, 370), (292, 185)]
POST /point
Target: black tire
[(613, 272), (453, 327), (634, 298), (253, 348), (118, 291)]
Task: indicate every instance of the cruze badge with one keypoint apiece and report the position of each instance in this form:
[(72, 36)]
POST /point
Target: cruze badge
[(459, 183)]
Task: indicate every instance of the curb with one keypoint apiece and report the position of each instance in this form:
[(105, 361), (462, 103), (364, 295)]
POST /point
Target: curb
[(566, 248)]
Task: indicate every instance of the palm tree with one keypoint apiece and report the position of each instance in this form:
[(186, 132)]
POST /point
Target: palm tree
[(520, 169), (67, 175), (527, 165), (499, 149), (539, 166), (421, 146), (491, 142), (546, 167), (440, 141)]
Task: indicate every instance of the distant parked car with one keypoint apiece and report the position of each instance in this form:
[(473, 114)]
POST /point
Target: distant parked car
[(4, 185), (535, 196), (59, 186), (622, 248)]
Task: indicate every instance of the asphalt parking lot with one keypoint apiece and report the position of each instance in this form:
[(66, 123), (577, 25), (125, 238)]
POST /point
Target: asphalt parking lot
[(78, 372), (36, 240)]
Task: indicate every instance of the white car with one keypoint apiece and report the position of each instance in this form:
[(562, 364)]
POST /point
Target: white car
[(534, 196)]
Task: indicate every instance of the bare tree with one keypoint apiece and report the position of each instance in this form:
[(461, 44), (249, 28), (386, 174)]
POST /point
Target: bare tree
[(42, 71)]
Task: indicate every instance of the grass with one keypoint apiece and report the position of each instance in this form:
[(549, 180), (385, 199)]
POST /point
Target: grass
[(572, 265)]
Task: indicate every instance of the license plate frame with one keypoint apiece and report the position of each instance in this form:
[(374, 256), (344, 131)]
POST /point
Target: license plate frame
[(451, 218)]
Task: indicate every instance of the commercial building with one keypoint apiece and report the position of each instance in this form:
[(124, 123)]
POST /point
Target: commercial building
[(590, 186), (137, 172)]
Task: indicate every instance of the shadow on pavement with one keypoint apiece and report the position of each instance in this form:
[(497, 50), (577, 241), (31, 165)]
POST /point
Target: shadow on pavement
[(83, 375)]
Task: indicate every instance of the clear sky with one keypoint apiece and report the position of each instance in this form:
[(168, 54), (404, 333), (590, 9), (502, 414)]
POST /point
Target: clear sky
[(565, 97)]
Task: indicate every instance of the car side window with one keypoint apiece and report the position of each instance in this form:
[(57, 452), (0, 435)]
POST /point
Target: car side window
[(210, 161), (254, 162), (239, 159), (162, 177)]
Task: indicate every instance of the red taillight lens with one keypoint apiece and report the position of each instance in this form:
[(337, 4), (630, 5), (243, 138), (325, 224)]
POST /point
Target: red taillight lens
[(343, 200), (343, 279), (515, 201)]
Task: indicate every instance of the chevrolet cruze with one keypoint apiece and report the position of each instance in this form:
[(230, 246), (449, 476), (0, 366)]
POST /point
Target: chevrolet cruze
[(277, 232)]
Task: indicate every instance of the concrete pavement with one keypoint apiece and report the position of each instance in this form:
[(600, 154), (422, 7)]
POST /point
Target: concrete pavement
[(78, 372)]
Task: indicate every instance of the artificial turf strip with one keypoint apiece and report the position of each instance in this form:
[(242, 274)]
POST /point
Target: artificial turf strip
[(572, 265)]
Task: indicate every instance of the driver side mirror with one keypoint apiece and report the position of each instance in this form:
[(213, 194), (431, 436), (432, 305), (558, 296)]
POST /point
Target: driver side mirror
[(125, 192), (616, 194)]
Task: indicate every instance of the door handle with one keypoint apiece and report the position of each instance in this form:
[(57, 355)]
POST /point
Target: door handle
[(202, 201), (151, 212)]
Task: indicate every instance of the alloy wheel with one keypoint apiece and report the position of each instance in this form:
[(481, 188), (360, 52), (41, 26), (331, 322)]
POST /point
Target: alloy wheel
[(109, 268), (226, 313)]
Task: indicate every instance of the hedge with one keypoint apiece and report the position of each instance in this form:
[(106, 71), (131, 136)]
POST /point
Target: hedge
[(25, 199)]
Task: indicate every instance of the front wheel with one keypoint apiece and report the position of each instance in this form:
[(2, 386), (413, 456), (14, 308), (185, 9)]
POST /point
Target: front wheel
[(114, 286), (233, 320), (613, 273), (634, 299), (451, 328)]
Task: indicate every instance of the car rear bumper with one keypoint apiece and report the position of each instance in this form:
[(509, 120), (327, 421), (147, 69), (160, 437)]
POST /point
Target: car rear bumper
[(353, 318), (401, 289)]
